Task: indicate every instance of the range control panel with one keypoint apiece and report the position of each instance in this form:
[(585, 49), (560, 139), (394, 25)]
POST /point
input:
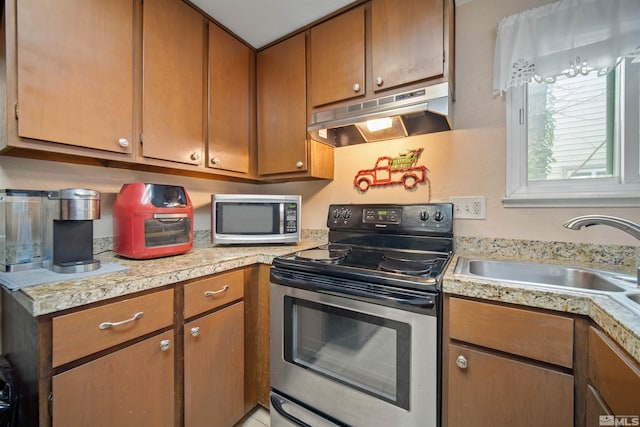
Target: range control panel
[(431, 218)]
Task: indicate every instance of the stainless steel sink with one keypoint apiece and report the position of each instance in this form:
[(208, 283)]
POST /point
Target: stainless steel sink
[(635, 298), (542, 274)]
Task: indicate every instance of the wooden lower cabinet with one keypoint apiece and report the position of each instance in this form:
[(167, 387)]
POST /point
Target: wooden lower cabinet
[(196, 357), (613, 382), (506, 365), (595, 408), (214, 368), (133, 386), (494, 390)]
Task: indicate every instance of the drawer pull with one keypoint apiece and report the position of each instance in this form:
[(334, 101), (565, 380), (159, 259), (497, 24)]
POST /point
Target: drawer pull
[(165, 345), (107, 325), (195, 331), (214, 293)]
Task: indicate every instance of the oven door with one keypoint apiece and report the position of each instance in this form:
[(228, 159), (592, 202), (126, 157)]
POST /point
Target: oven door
[(362, 363)]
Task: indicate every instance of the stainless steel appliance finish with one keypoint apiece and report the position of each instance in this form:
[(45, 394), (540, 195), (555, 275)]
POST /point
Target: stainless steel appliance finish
[(356, 325), (421, 111), (255, 219), (73, 231), (79, 204)]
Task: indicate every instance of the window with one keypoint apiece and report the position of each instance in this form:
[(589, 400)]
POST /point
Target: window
[(574, 141)]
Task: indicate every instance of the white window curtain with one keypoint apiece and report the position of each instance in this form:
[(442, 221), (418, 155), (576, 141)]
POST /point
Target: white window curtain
[(566, 37)]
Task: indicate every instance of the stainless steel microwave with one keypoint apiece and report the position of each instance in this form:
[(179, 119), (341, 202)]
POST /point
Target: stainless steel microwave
[(255, 219)]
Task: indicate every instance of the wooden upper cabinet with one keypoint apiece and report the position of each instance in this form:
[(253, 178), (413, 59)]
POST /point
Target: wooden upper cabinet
[(282, 131), (407, 41), (75, 72), (229, 101), (338, 58), (173, 82)]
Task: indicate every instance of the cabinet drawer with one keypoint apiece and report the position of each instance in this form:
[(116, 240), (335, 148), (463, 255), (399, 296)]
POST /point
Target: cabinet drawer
[(213, 292), (79, 334), (532, 334), (612, 373)]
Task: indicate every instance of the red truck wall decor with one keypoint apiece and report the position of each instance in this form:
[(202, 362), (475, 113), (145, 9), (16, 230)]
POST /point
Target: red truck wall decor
[(393, 170)]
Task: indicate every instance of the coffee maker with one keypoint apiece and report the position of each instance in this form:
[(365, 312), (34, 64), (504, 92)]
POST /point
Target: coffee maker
[(73, 231)]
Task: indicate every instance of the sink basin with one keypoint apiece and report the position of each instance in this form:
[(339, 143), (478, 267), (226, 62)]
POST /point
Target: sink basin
[(635, 298), (540, 274)]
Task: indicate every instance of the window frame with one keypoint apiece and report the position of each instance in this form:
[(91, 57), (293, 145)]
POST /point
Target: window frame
[(610, 192)]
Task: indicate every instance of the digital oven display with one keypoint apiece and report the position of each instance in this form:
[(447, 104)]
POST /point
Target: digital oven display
[(382, 216)]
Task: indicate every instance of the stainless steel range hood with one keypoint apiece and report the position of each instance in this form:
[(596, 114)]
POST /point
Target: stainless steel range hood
[(416, 112)]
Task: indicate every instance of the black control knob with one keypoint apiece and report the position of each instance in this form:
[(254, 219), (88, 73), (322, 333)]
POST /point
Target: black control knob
[(424, 216), (336, 213), (347, 214), (438, 216)]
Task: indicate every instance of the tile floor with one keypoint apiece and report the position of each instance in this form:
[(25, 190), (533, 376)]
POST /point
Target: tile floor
[(259, 418)]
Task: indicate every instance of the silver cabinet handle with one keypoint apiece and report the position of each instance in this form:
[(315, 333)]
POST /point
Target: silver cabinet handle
[(356, 87), (299, 164), (124, 142), (214, 293), (195, 156), (165, 345), (195, 331), (461, 362), (215, 161), (379, 81), (107, 325)]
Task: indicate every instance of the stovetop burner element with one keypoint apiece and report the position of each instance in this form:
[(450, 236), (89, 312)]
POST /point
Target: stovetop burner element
[(322, 254), (413, 268)]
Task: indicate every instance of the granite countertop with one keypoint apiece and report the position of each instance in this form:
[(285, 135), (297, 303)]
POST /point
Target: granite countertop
[(618, 321), (142, 275), (622, 324)]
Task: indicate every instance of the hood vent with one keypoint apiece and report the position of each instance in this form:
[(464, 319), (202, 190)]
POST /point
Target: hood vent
[(416, 112)]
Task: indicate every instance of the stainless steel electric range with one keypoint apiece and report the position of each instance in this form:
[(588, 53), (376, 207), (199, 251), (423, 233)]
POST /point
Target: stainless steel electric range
[(356, 325)]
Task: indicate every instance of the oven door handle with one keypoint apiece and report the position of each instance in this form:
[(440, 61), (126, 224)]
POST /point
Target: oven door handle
[(307, 282), (280, 404)]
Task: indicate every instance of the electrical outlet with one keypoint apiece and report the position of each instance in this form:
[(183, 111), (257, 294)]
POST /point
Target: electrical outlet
[(469, 207)]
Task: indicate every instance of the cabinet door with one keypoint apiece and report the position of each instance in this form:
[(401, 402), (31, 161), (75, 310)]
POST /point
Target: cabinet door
[(596, 407), (407, 41), (214, 368), (282, 119), (173, 82), (498, 391), (338, 58), (75, 72), (229, 71), (613, 374), (131, 387)]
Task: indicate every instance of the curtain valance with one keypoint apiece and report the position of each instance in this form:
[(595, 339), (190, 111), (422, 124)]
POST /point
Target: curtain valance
[(566, 37)]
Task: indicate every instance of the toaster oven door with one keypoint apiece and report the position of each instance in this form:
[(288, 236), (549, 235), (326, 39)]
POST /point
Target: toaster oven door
[(167, 230)]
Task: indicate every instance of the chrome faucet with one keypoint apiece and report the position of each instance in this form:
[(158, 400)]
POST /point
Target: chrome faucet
[(612, 221)]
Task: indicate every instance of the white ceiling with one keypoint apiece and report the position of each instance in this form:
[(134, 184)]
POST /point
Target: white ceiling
[(259, 22)]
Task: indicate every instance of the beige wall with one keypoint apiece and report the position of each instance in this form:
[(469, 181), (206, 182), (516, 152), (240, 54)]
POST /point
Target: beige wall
[(469, 161)]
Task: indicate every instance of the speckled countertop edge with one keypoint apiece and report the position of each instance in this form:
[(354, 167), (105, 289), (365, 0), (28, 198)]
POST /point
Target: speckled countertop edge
[(622, 324), (205, 259), (142, 275)]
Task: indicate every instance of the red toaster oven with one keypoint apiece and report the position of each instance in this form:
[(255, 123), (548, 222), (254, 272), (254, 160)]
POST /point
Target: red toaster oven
[(152, 221)]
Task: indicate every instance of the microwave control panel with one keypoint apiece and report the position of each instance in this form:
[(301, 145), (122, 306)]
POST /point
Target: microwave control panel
[(291, 218)]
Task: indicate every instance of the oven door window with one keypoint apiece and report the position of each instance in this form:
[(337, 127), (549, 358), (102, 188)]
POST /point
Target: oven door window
[(365, 352)]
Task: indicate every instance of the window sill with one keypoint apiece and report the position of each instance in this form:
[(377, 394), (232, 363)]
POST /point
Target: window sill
[(570, 202)]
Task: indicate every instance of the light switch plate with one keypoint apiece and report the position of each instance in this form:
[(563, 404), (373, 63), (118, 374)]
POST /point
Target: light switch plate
[(469, 207)]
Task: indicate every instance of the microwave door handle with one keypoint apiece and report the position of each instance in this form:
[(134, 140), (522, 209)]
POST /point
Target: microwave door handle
[(282, 218)]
